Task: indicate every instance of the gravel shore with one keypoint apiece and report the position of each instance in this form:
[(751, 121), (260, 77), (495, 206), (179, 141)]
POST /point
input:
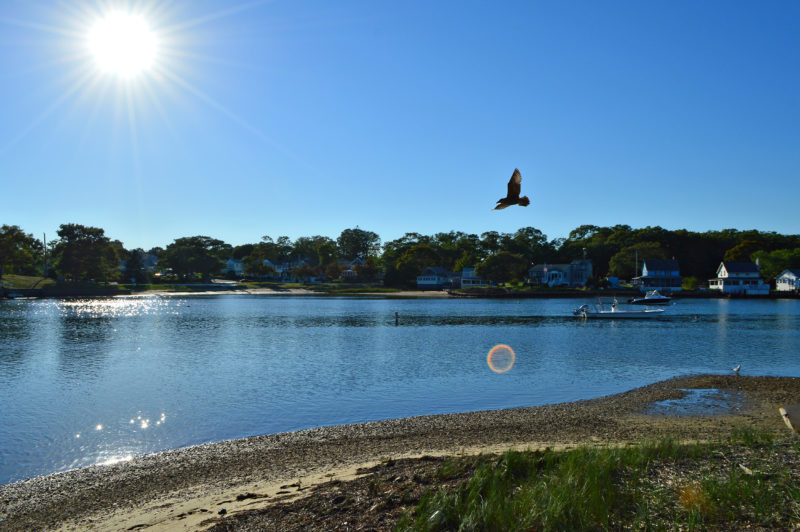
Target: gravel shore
[(182, 488)]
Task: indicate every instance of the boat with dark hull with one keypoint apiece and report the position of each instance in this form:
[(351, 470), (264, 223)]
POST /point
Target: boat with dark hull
[(653, 297)]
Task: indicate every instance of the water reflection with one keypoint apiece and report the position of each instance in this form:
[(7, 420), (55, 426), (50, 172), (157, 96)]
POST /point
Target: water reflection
[(82, 348), (160, 373), (15, 332)]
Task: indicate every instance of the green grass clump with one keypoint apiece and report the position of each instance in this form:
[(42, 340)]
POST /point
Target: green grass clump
[(591, 488), (751, 436), (26, 281)]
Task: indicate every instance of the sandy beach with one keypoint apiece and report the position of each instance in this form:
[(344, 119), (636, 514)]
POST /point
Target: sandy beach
[(414, 294), (185, 489)]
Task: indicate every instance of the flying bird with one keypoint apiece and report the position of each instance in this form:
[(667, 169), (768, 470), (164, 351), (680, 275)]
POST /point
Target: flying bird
[(513, 197)]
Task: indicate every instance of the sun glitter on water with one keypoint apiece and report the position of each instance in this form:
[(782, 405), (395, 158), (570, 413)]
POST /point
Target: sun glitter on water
[(501, 358)]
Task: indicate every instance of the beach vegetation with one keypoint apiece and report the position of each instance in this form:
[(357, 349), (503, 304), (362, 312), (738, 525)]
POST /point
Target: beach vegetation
[(652, 485)]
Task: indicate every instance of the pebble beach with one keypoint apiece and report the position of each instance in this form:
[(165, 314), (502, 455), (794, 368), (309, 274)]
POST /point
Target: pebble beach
[(182, 489)]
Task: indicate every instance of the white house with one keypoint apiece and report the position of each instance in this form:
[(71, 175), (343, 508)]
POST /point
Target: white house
[(739, 278), (233, 266), (788, 281), (663, 275), (576, 273)]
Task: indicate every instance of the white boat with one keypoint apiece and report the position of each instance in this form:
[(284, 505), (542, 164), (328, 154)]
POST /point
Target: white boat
[(613, 312), (653, 297)]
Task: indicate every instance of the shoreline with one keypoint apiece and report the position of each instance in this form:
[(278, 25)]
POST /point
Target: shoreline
[(182, 488)]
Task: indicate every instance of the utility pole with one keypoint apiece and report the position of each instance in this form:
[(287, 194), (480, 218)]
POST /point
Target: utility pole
[(44, 241)]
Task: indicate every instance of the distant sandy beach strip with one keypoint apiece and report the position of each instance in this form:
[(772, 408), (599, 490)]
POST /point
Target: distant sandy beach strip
[(408, 294), (178, 490)]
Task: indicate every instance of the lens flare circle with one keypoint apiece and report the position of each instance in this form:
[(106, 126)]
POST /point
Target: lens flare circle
[(501, 358)]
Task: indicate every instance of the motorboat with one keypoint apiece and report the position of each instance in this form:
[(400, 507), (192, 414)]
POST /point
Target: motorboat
[(652, 297), (613, 312)]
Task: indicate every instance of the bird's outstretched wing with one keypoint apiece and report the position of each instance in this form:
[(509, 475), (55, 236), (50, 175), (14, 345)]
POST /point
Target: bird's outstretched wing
[(514, 185)]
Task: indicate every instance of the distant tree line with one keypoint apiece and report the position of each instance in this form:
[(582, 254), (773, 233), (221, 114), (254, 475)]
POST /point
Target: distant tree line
[(85, 253)]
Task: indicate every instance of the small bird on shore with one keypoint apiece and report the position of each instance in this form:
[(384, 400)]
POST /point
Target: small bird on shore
[(737, 368), (513, 197)]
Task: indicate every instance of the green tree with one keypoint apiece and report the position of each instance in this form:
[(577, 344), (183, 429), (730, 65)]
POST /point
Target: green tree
[(283, 246), (305, 271), (414, 260), (502, 267), (84, 253), (308, 248), (134, 267), (490, 242), (774, 262), (18, 250), (326, 252), (624, 264), (197, 255), (333, 271), (529, 243), (369, 270), (255, 265), (357, 243), (742, 251), (240, 252)]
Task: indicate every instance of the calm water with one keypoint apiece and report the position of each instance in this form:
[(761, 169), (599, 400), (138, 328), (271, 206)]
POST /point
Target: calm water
[(87, 382)]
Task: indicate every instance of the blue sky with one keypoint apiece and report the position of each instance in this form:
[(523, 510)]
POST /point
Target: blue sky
[(309, 117)]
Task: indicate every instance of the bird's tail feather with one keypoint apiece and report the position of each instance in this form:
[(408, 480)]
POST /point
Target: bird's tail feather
[(524, 201)]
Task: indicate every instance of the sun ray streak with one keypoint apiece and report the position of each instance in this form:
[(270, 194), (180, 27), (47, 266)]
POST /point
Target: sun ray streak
[(55, 30), (137, 167), (78, 84), (233, 116), (214, 16), (156, 102), (180, 54)]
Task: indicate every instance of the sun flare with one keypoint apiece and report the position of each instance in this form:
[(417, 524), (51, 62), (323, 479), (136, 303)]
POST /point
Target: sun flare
[(123, 44)]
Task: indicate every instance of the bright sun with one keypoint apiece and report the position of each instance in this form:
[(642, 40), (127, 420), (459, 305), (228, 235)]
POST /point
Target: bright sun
[(122, 44)]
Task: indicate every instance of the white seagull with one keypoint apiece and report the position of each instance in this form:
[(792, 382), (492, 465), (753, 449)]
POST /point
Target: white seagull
[(737, 368)]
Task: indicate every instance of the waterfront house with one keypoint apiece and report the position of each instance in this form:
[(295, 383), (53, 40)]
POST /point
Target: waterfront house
[(469, 279), (739, 278), (437, 278), (788, 281), (233, 267), (576, 273), (663, 275), (348, 268)]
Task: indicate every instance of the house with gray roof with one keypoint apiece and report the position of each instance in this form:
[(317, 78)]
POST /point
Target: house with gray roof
[(663, 275), (576, 273), (739, 278), (436, 278)]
